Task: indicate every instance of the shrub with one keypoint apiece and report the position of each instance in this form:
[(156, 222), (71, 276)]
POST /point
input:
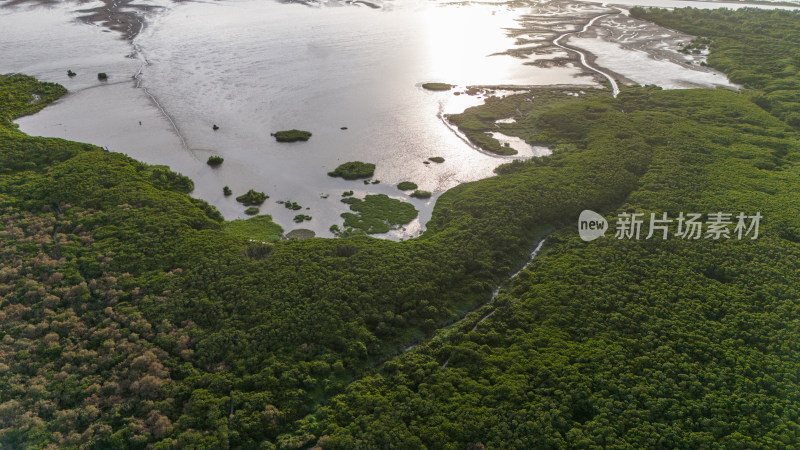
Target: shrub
[(437, 86), (292, 205), (251, 211), (291, 135), (214, 161), (226, 191), (406, 186), (102, 76), (354, 170), (421, 194), (252, 198)]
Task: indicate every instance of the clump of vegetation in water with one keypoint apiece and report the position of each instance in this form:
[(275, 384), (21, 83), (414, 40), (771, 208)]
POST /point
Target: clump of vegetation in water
[(215, 160), (102, 76), (437, 86), (421, 194), (436, 159), (252, 198), (378, 213), (301, 218), (251, 211), (353, 170), (292, 205), (215, 127), (291, 135), (226, 191), (347, 193), (70, 73), (259, 228), (406, 185)]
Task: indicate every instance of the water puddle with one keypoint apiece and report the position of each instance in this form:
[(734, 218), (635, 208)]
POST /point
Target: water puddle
[(523, 148)]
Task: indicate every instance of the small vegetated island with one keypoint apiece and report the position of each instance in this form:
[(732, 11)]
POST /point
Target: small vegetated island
[(377, 213), (406, 185), (353, 170), (291, 135), (437, 86), (294, 206), (252, 198), (421, 194)]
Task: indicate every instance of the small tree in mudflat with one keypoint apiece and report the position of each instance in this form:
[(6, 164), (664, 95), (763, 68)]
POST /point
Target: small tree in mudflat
[(102, 76)]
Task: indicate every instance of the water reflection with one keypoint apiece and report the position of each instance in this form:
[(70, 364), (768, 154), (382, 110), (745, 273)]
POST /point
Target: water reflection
[(253, 67)]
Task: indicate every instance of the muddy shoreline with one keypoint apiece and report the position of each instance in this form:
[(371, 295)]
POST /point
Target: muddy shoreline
[(126, 17)]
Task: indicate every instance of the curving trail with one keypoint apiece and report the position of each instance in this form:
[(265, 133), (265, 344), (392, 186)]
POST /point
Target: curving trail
[(584, 62), (534, 253)]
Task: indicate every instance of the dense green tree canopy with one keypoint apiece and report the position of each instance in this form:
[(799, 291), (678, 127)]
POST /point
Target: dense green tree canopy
[(131, 315)]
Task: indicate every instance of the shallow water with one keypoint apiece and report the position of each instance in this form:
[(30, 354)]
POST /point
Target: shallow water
[(639, 67), (522, 147), (354, 67), (254, 67)]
